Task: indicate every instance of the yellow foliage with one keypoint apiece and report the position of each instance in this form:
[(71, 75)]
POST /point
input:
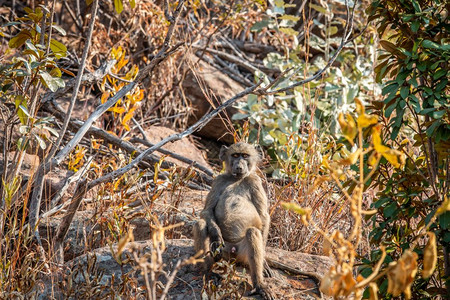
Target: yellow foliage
[(395, 157), (126, 107), (348, 126), (75, 159), (364, 120), (351, 158), (444, 207), (305, 213), (401, 274)]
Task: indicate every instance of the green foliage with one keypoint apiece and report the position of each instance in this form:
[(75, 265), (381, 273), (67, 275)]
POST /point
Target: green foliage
[(413, 68), (34, 65), (28, 69), (278, 121)]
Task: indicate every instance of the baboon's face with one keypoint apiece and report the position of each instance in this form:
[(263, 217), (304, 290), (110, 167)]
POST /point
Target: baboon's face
[(240, 159)]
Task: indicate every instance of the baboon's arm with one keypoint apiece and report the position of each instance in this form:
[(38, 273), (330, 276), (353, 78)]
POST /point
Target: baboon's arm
[(208, 213), (259, 200)]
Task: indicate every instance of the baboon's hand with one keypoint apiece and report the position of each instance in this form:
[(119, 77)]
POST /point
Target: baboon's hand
[(216, 239), (216, 242)]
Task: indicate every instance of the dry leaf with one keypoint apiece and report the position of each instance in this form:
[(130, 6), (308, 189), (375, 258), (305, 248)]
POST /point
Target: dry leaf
[(401, 274), (429, 256)]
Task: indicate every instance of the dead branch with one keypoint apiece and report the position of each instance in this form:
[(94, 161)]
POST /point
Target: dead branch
[(75, 125), (174, 155)]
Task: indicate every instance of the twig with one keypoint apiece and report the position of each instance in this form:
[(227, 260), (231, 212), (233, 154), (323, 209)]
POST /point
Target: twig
[(86, 79), (70, 179), (56, 111), (174, 155), (67, 219), (231, 58)]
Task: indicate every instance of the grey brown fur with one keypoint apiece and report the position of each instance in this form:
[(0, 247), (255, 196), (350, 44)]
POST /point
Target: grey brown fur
[(236, 216)]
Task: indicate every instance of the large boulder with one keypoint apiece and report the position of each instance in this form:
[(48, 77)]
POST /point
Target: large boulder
[(205, 84), (184, 147)]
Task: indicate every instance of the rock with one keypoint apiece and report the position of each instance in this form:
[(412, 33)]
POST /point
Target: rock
[(30, 163), (54, 181), (183, 147), (99, 271), (219, 88)]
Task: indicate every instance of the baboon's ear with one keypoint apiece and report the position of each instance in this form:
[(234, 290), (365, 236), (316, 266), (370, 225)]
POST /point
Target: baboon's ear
[(223, 153)]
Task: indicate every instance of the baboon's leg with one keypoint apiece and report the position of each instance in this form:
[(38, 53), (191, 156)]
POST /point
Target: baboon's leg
[(201, 242), (251, 252)]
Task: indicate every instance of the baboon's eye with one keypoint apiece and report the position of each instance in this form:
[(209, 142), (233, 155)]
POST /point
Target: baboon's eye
[(235, 155), (245, 155)]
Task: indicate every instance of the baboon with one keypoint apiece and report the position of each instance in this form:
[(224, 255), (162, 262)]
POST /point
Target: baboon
[(235, 215)]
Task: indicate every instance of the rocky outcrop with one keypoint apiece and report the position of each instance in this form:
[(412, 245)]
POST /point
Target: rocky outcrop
[(206, 88), (111, 273)]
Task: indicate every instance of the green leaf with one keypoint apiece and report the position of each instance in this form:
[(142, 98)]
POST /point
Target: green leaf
[(390, 109), (22, 111), (430, 45), (133, 3), (318, 8), (41, 142), (427, 111), (415, 26), (416, 6), (53, 83), (59, 29), (19, 39), (289, 31), (258, 26), (430, 130), (289, 18), (439, 74), (439, 114), (332, 30), (56, 72), (390, 210), (404, 92), (22, 143), (444, 220), (392, 88), (59, 49), (239, 116), (441, 85), (118, 5)]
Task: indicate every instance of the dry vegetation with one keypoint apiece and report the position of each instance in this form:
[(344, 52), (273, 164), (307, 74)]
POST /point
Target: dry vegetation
[(78, 159)]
